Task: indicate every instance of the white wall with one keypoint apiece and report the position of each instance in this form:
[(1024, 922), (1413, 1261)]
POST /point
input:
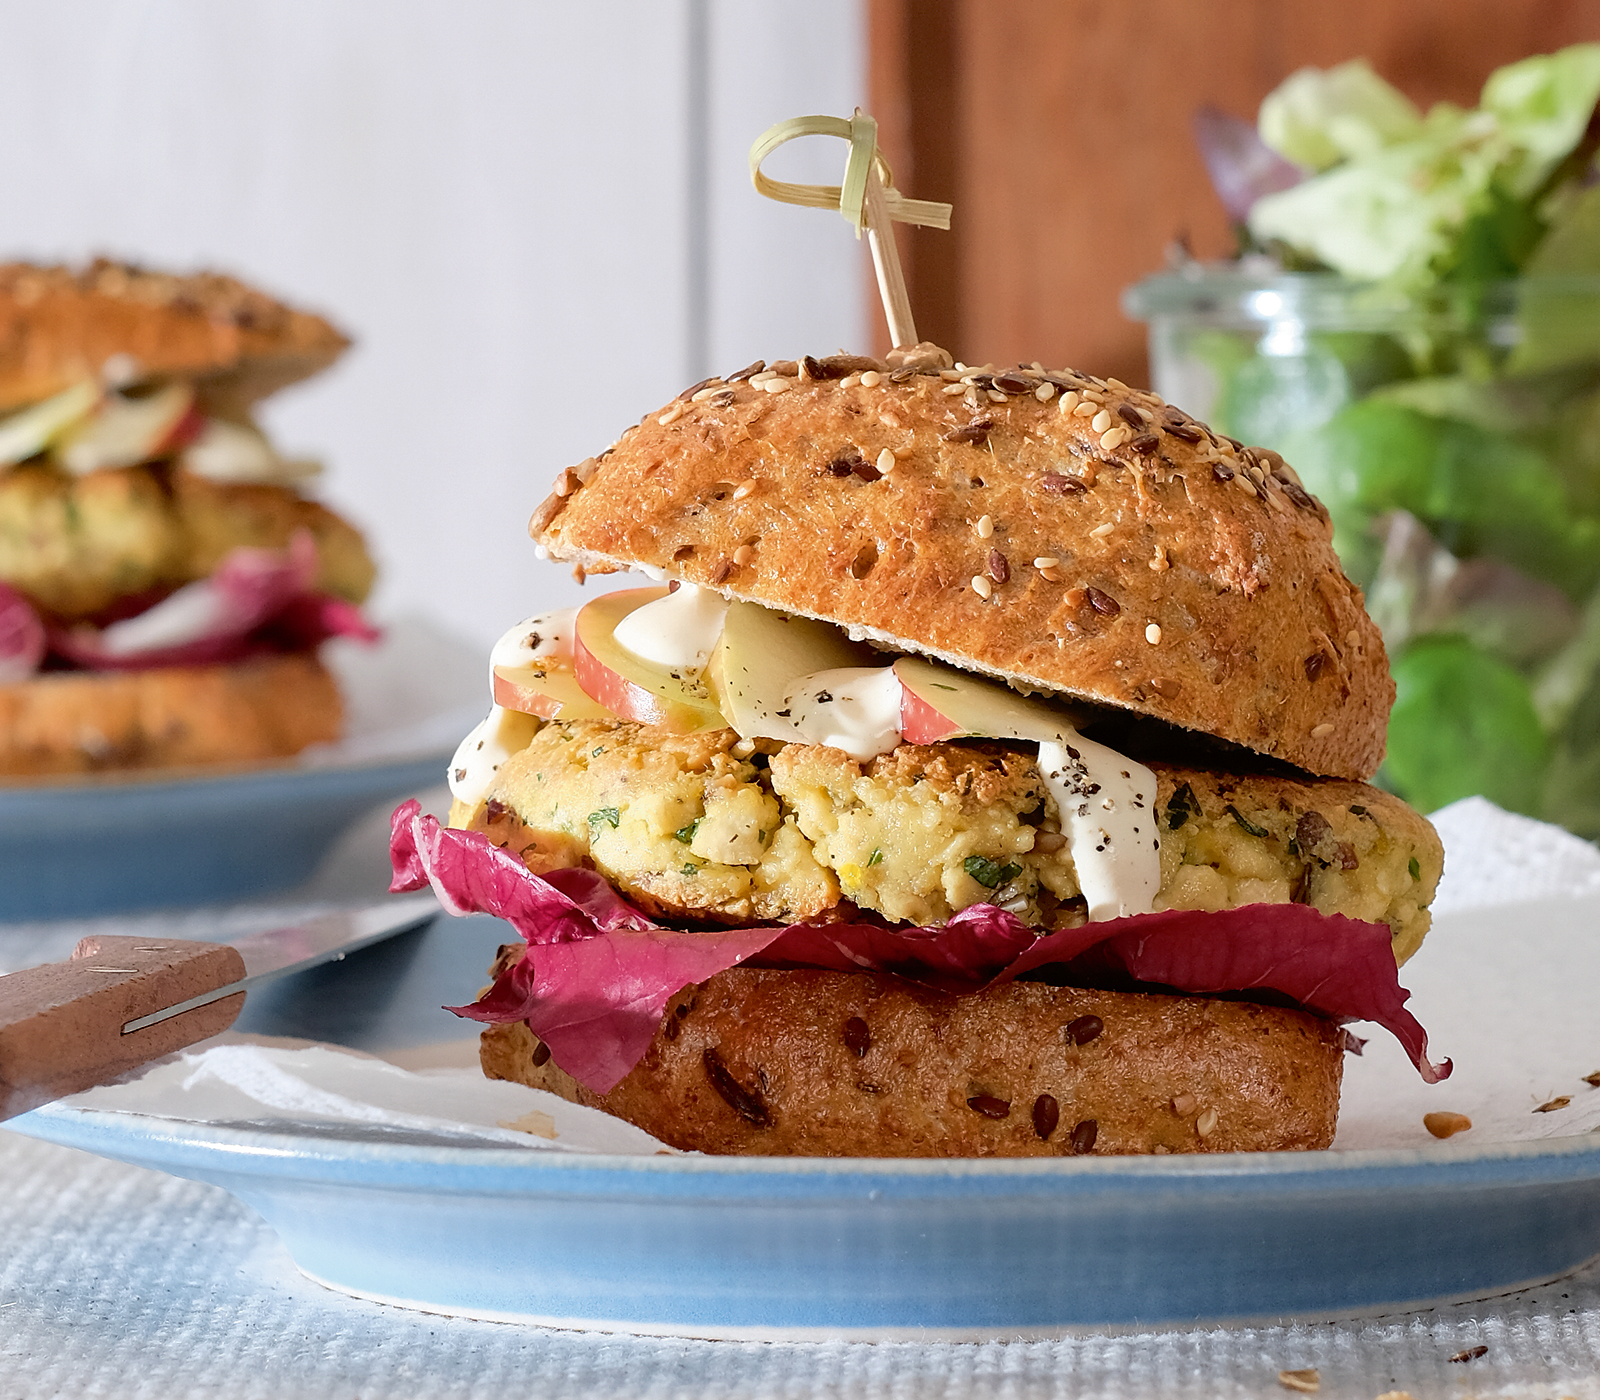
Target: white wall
[(509, 203)]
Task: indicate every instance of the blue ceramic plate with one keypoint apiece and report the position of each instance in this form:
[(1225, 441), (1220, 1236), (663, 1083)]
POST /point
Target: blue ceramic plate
[(793, 1247), (72, 849), (710, 1246)]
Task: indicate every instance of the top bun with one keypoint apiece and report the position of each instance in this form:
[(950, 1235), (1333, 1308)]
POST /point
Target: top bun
[(59, 326), (1193, 579)]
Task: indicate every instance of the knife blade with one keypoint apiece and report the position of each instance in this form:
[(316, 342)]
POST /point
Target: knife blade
[(119, 1002)]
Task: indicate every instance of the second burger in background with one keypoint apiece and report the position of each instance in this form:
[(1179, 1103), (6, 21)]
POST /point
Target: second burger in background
[(164, 580)]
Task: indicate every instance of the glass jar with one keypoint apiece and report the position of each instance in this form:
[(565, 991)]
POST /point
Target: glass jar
[(1455, 439)]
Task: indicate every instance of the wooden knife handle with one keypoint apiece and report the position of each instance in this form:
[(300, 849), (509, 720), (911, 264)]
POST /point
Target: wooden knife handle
[(61, 1024)]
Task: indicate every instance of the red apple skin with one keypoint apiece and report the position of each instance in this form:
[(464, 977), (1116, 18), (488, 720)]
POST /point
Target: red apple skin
[(188, 427), (920, 722), (624, 697), (540, 694)]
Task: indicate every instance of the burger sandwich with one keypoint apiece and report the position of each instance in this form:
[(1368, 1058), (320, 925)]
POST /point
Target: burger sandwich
[(981, 771), (164, 579)]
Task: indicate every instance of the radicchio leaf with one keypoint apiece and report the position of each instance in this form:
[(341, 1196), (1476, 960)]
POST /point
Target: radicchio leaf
[(598, 974), (257, 601), (22, 637), (1241, 165)]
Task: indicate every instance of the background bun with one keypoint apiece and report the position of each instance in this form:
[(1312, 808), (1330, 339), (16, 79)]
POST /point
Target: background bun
[(1193, 579), (173, 717), (59, 326)]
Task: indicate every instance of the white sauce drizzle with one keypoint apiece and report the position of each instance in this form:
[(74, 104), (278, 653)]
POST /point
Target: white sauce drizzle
[(480, 754), (677, 632), (1107, 806), (856, 708), (543, 634)]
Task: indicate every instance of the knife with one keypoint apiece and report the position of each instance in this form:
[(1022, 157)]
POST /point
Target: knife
[(119, 1002)]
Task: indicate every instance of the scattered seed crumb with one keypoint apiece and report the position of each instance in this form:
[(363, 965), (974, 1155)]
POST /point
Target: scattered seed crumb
[(871, 379), (1101, 531), (533, 1122), (1101, 422), (1396, 1395), (743, 489), (1321, 731), (1050, 573), (1305, 1380), (671, 416), (985, 526), (1560, 1101), (1206, 1123), (1049, 561), (886, 461), (743, 555), (777, 385), (1470, 1354), (1152, 633), (1443, 1125), (1183, 1104), (1045, 392), (982, 587), (1592, 1080)]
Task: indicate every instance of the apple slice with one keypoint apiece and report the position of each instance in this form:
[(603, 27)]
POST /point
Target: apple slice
[(938, 703), (128, 431), (530, 669), (627, 684), (759, 657), (26, 434), (548, 690)]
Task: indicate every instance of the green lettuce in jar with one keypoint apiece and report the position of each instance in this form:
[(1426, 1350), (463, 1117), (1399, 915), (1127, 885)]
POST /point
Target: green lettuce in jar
[(1413, 321)]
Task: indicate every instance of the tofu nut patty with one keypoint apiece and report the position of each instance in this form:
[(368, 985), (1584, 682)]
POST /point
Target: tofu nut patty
[(709, 827)]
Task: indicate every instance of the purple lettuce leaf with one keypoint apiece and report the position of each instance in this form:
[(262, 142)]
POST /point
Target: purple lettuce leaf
[(598, 974)]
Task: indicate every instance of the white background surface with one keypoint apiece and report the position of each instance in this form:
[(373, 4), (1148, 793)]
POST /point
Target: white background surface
[(533, 217)]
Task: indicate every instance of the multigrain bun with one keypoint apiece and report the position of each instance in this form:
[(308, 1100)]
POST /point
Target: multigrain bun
[(171, 717), (1193, 580), (812, 1063), (61, 325)]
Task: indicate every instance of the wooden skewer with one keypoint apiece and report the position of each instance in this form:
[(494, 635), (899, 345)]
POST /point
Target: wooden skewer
[(886, 262)]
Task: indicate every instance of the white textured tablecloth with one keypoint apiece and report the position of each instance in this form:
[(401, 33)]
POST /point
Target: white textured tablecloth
[(124, 1283)]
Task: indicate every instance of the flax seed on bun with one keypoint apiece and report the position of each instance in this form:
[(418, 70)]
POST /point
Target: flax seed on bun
[(1065, 533)]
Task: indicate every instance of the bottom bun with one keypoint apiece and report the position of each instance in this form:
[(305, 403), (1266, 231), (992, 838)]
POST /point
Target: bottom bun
[(841, 1064), (171, 717)]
